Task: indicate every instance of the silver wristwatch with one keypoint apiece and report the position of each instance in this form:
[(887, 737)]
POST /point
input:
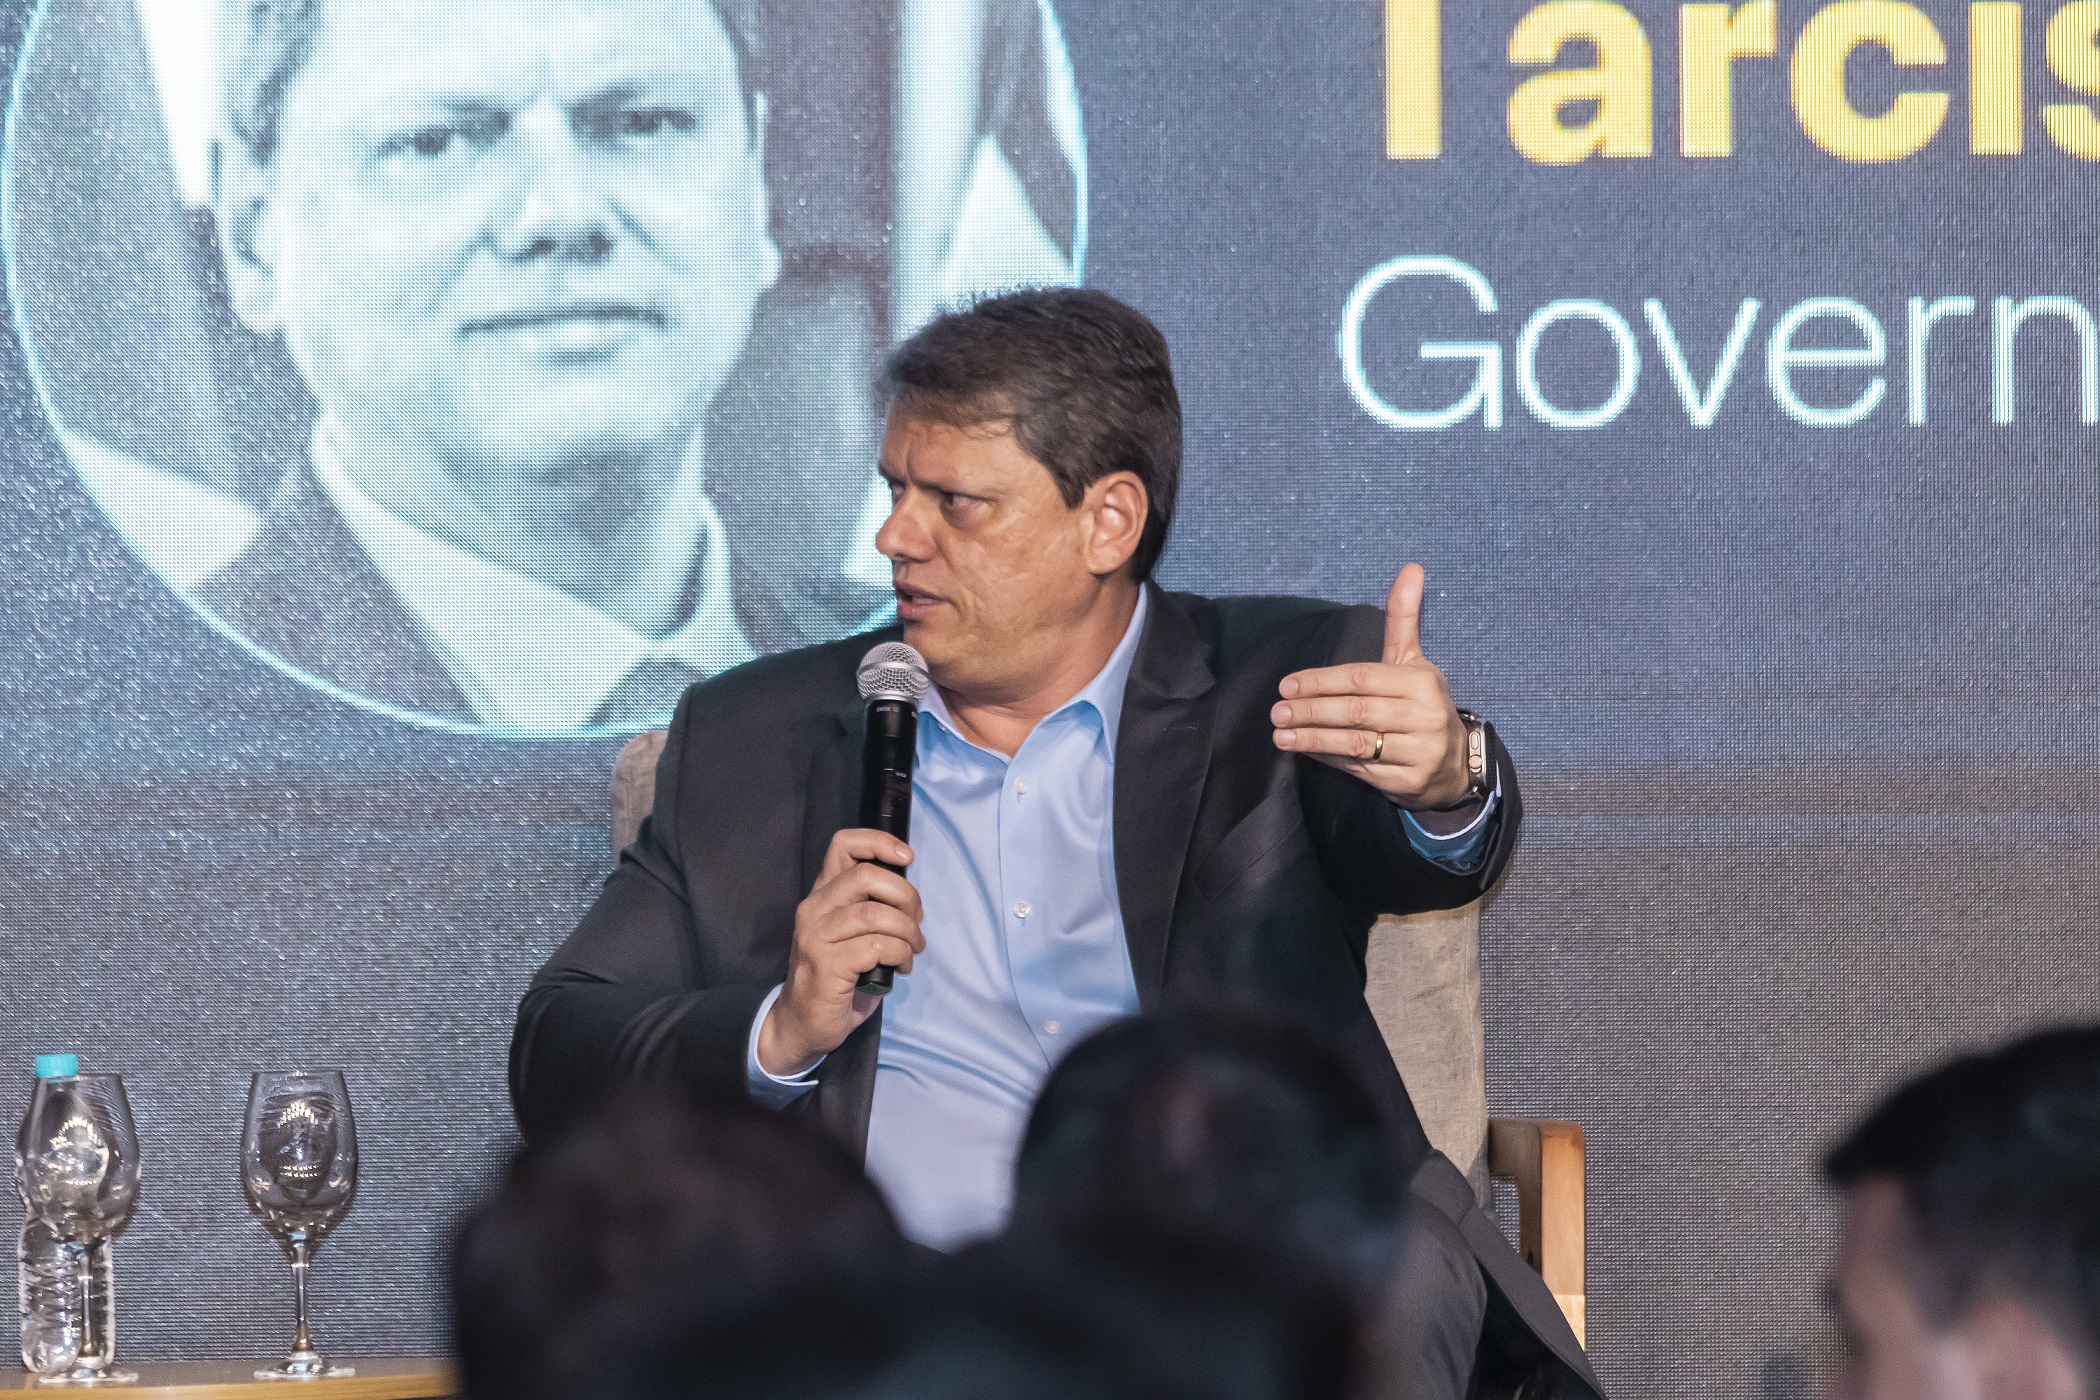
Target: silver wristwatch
[(1480, 775)]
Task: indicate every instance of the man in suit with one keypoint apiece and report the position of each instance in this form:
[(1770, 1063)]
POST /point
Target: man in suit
[(514, 249), (1122, 797)]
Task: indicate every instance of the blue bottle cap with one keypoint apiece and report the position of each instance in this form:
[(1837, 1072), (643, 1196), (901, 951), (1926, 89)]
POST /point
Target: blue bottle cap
[(57, 1066)]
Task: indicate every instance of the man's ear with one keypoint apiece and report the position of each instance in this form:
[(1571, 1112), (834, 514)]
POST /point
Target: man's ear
[(761, 114), (1115, 509), (2017, 1355), (242, 194)]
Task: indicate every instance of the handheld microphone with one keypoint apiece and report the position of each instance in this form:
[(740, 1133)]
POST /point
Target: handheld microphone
[(892, 680)]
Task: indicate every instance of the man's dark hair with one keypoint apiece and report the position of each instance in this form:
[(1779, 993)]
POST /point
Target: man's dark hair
[(821, 1339), (1085, 382), (1025, 1318), (1216, 1123), (265, 44), (1136, 1316), (652, 1218), (1998, 1159)]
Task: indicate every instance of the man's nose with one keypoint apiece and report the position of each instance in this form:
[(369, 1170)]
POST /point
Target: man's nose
[(903, 538), (562, 209)]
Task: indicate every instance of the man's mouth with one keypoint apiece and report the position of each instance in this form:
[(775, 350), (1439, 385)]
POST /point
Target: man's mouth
[(547, 317), (913, 604), (570, 327)]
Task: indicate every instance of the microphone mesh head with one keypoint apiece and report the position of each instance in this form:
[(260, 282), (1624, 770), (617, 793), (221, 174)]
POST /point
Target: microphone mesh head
[(893, 671)]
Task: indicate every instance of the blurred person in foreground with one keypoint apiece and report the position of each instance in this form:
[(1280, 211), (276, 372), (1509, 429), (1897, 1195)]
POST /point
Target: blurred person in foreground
[(1231, 1126), (654, 1217), (1970, 1267), (1034, 1318), (1122, 798), (514, 248), (1141, 1315)]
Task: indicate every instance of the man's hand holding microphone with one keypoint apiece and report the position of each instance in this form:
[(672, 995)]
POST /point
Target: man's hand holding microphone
[(860, 924), (858, 918)]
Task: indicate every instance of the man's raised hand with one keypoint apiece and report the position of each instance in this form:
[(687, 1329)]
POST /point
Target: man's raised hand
[(858, 917), (1390, 722)]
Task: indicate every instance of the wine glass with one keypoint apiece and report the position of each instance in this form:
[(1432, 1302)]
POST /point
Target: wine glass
[(299, 1167), (80, 1177)]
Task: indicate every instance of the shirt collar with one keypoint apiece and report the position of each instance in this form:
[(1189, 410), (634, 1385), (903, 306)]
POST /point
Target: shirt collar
[(1104, 692), (527, 654)]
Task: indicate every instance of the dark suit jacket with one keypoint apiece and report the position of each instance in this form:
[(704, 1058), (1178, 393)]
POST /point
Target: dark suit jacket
[(306, 592), (1242, 871)]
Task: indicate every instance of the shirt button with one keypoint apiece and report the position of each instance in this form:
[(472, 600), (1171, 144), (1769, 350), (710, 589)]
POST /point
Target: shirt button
[(1021, 909), (1052, 1027), (1020, 785)]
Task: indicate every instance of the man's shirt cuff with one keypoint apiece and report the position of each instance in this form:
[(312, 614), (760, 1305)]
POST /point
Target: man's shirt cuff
[(1461, 852), (766, 1088)]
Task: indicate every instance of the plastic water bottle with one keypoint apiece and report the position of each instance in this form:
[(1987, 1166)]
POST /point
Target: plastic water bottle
[(50, 1287)]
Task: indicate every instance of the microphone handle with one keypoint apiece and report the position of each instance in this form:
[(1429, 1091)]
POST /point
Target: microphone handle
[(885, 796)]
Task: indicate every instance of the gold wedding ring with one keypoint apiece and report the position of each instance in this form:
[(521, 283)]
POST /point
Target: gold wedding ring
[(1378, 752)]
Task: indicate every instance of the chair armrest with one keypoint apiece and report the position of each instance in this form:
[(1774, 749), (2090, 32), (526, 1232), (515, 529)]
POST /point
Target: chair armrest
[(1544, 1160)]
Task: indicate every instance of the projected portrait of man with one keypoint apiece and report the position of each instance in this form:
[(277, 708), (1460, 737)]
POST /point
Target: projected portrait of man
[(505, 364), (514, 248)]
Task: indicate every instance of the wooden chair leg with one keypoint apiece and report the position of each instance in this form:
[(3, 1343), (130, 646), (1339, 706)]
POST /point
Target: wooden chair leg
[(1544, 1160)]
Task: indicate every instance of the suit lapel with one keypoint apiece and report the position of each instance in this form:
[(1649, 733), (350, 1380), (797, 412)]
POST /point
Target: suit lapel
[(308, 595), (834, 778), (760, 610), (1162, 759), (834, 787)]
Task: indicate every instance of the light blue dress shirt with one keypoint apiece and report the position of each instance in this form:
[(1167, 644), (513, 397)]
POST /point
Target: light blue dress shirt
[(1025, 954)]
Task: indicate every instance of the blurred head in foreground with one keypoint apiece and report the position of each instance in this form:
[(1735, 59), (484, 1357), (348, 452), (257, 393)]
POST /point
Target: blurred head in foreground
[(1220, 1125), (650, 1220), (1139, 1316), (1970, 1268), (1026, 1318)]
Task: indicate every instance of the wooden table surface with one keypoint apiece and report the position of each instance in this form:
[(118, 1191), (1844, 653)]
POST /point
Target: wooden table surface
[(235, 1380)]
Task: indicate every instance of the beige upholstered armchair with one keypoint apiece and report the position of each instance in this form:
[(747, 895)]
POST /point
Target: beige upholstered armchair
[(1423, 982), (1424, 988)]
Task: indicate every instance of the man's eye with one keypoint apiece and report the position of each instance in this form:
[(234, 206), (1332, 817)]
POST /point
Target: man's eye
[(608, 122), (440, 140), (654, 121)]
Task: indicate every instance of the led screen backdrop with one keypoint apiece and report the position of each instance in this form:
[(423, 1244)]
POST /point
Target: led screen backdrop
[(405, 400)]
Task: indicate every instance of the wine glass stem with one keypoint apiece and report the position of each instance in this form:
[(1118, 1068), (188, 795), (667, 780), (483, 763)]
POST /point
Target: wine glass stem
[(302, 1257), (84, 1275)]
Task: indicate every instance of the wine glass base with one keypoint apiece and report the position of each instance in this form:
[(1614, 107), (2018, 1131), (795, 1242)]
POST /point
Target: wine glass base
[(303, 1370), (85, 1379)]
